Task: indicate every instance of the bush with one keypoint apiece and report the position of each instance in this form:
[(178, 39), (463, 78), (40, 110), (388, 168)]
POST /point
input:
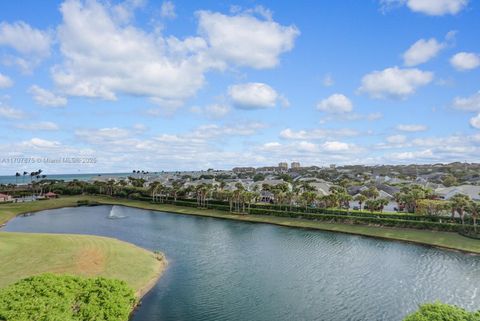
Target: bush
[(442, 312), (51, 297)]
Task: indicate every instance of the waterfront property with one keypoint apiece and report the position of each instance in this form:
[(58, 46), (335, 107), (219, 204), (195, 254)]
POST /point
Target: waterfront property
[(228, 270)]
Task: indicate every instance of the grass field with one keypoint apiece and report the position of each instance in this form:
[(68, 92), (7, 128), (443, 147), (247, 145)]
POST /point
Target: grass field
[(441, 239), (27, 254)]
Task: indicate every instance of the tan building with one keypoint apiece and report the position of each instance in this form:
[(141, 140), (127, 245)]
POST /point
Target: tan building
[(295, 165), (283, 166)]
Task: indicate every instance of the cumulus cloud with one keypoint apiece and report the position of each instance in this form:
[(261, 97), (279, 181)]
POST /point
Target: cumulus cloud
[(411, 128), (471, 103), (336, 103), (245, 40), (104, 58), (32, 45), (394, 82), (5, 81), (475, 121), (25, 39), (253, 96), (44, 97), (422, 51), (428, 7), (463, 61)]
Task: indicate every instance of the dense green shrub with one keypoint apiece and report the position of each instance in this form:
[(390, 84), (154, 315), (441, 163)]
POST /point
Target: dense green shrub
[(51, 297), (442, 312)]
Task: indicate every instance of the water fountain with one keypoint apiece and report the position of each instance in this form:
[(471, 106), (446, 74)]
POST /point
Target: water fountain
[(116, 213)]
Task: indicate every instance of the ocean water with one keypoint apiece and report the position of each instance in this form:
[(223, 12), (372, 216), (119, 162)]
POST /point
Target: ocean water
[(12, 179)]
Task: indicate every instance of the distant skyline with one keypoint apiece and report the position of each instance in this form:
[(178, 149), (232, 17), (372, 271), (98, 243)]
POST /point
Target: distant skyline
[(184, 85)]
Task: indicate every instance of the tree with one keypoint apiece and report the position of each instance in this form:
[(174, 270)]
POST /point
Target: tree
[(459, 203), (371, 192), (449, 180), (258, 177), (410, 195), (308, 198), (474, 209), (360, 198), (442, 312), (17, 175), (381, 203)]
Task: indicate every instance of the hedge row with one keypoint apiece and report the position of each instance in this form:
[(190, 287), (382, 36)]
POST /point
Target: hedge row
[(334, 218), (327, 211)]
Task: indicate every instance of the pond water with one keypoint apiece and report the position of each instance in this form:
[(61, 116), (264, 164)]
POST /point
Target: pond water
[(227, 270)]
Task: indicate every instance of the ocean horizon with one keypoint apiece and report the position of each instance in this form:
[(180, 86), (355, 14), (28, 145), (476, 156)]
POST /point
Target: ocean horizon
[(12, 179)]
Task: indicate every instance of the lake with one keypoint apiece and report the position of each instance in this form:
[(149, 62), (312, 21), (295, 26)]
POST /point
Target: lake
[(228, 270)]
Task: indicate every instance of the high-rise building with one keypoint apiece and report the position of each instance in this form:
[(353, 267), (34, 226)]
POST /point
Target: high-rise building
[(283, 166), (295, 165)]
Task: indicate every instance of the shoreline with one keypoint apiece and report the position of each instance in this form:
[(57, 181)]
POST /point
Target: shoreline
[(436, 239)]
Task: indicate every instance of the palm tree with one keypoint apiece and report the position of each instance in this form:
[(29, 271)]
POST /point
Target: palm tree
[(459, 203), (17, 174), (381, 203), (308, 198), (474, 210), (360, 198), (24, 174)]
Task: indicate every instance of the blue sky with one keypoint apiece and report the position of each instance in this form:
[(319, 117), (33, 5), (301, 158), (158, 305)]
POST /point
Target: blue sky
[(176, 85)]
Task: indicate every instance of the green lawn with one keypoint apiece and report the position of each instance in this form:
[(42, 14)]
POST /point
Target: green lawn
[(441, 239), (27, 254)]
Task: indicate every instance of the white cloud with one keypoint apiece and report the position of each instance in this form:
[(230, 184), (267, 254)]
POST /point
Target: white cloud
[(167, 10), (471, 103), (32, 45), (217, 110), (351, 117), (124, 11), (424, 154), (214, 111), (44, 97), (334, 146), (318, 133), (422, 51), (429, 7), (411, 127), (253, 96), (105, 57), (102, 135), (475, 121), (10, 113), (5, 81), (336, 103), (396, 139), (25, 39), (463, 61), (39, 143), (394, 82), (245, 40), (437, 7), (43, 125)]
